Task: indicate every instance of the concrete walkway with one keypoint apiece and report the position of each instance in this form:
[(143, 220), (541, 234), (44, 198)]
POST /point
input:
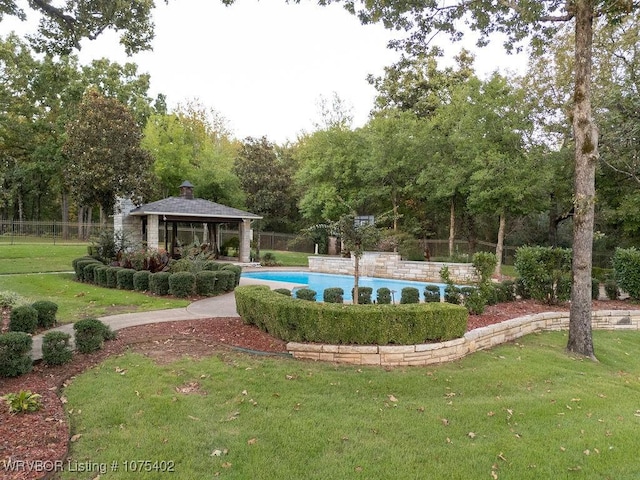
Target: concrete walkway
[(220, 306)]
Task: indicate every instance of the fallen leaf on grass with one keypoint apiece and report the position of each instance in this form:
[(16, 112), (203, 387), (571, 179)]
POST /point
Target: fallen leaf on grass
[(252, 441), (471, 435), (75, 437), (445, 422), (392, 398)]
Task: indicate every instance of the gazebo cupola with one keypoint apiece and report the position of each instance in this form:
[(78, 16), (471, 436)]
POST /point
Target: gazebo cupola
[(186, 190)]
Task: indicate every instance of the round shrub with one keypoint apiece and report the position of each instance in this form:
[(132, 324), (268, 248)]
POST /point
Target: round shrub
[(89, 272), (205, 283), (74, 264), (432, 293), (23, 319), (181, 265), (15, 354), (452, 294), (283, 291), (364, 295), (383, 296), (237, 270), (159, 283), (182, 284), (141, 280), (124, 278), (211, 265), (56, 349), (100, 275), (611, 289), (225, 280), (306, 294), (80, 266), (333, 295), (90, 335), (410, 295), (46, 313), (112, 277)]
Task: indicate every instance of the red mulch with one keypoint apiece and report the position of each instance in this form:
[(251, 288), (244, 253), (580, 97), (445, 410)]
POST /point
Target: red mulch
[(43, 436)]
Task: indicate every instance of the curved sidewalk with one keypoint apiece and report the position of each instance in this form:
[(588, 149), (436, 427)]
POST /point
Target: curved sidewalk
[(220, 306)]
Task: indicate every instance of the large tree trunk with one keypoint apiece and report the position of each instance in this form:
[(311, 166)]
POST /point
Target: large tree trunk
[(500, 244), (586, 156), (452, 226)]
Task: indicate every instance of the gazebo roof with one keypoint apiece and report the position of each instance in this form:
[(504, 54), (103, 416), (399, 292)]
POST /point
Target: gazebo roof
[(193, 207)]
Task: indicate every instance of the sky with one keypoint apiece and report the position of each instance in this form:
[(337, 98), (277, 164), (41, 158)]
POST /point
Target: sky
[(265, 65)]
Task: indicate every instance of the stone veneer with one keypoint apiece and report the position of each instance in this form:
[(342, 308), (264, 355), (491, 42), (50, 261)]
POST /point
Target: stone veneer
[(389, 265), (473, 341)]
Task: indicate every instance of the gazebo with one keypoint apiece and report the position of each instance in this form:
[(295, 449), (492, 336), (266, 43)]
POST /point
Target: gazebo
[(146, 222)]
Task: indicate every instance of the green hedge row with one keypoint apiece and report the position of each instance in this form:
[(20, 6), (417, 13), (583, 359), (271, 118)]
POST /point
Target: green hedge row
[(218, 278), (300, 321)]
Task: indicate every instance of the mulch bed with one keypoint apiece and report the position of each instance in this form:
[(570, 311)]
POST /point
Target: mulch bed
[(41, 438)]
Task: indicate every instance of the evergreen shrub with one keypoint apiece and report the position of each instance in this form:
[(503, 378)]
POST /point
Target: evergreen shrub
[(364, 295), (112, 277), (15, 354), (182, 284), (410, 295), (432, 293), (100, 275), (55, 348), (237, 270), (295, 321), (333, 295), (89, 271), (46, 313), (23, 319), (306, 294), (545, 272), (611, 289), (205, 283), (283, 291), (383, 296), (80, 266), (141, 280), (225, 280), (124, 278), (626, 271), (159, 283), (90, 334)]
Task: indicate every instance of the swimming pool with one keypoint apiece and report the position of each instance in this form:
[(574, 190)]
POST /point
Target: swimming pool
[(320, 281)]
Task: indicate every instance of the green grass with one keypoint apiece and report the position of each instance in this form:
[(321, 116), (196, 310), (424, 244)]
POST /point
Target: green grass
[(77, 300), (38, 258), (289, 259), (522, 411)]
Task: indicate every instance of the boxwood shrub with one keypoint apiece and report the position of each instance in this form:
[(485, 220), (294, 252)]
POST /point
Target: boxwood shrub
[(15, 354), (364, 295), (56, 349), (182, 284), (333, 295), (100, 275), (141, 280), (283, 291), (124, 278), (383, 295), (236, 269), (159, 283), (205, 283), (89, 271), (432, 293), (410, 295), (112, 277), (81, 264), (306, 294), (90, 334), (296, 321), (225, 280), (46, 313), (23, 319)]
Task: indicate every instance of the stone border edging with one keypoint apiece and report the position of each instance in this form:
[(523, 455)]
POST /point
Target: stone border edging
[(475, 340)]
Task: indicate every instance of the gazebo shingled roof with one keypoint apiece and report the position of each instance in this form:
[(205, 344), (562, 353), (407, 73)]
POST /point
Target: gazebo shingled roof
[(193, 207)]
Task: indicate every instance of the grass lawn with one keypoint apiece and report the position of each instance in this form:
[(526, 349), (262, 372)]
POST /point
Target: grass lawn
[(77, 300), (524, 410), (289, 259), (39, 258)]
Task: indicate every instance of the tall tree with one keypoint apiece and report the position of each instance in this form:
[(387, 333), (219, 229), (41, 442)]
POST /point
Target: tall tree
[(537, 20), (62, 27), (106, 160)]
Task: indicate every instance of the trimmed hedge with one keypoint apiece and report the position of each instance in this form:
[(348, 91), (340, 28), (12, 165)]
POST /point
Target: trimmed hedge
[(431, 293), (56, 349), (205, 283), (410, 295), (236, 269), (296, 321), (124, 278), (225, 280), (89, 271), (23, 319), (112, 277), (15, 354), (283, 291), (306, 294), (100, 276), (383, 296), (80, 266), (364, 295), (141, 280), (182, 284), (46, 313), (90, 334), (159, 283), (333, 295)]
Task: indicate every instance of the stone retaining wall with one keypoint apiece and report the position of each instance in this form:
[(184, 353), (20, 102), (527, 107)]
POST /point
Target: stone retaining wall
[(473, 341), (389, 265)]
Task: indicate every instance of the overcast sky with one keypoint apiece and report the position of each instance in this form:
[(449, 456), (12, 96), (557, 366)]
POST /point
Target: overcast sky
[(265, 65)]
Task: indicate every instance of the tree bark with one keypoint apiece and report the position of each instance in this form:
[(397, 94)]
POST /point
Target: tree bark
[(500, 244), (586, 155), (356, 277)]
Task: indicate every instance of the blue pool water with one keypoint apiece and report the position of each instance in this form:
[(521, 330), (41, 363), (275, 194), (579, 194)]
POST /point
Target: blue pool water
[(319, 281)]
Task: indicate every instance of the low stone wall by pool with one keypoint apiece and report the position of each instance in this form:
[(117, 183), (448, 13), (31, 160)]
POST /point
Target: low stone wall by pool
[(389, 265), (473, 341)]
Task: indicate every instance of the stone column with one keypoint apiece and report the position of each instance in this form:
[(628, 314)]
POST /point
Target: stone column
[(152, 232), (245, 241)]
